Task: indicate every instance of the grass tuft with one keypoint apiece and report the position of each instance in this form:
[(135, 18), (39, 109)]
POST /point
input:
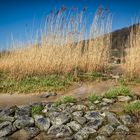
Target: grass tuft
[(117, 91), (64, 100), (93, 97), (36, 109), (133, 107)]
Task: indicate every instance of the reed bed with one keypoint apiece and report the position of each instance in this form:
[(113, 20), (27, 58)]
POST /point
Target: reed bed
[(68, 44), (131, 66)]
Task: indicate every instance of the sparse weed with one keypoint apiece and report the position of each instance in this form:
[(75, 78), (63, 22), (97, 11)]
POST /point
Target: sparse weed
[(65, 99), (117, 91), (93, 97), (133, 107), (36, 109)]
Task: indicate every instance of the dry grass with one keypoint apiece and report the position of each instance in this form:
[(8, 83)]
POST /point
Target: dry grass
[(131, 65), (61, 49)]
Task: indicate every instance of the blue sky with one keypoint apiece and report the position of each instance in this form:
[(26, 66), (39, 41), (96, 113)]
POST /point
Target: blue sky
[(21, 18)]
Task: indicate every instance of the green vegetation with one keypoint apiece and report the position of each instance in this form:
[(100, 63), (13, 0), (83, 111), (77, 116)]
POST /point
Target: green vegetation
[(36, 109), (65, 99), (117, 91), (30, 84), (133, 107), (93, 97)]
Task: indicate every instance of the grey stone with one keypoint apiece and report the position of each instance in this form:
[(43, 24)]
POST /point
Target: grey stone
[(124, 98), (81, 120), (59, 131), (22, 112), (95, 124), (78, 113), (32, 131), (41, 122), (107, 130), (78, 107), (109, 101), (85, 133), (96, 102), (59, 118), (126, 119), (101, 137), (48, 94), (93, 115), (112, 119), (74, 125), (123, 129), (23, 122), (92, 107), (6, 128)]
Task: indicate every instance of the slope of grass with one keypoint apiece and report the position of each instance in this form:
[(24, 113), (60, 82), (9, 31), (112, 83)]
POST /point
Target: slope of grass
[(34, 83)]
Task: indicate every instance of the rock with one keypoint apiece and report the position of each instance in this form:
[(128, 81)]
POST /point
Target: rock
[(100, 138), (92, 107), (85, 133), (124, 98), (102, 104), (96, 102), (93, 115), (80, 120), (107, 130), (6, 128), (48, 94), (74, 125), (59, 131), (25, 134), (23, 122), (126, 119), (95, 124), (59, 118), (79, 107), (108, 101), (7, 114), (122, 129), (42, 123), (22, 112), (112, 119), (78, 113), (62, 106)]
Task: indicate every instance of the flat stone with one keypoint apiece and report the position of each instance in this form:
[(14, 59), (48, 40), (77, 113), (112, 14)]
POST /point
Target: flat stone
[(100, 138), (93, 115), (58, 118), (109, 101), (24, 122), (79, 107), (78, 113), (124, 98), (74, 125), (80, 120), (95, 124), (22, 112), (58, 131), (112, 119), (6, 128), (126, 119), (107, 130), (122, 129), (85, 133), (43, 123)]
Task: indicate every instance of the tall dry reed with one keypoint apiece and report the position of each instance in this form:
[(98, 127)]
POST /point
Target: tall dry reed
[(69, 43), (131, 66)]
